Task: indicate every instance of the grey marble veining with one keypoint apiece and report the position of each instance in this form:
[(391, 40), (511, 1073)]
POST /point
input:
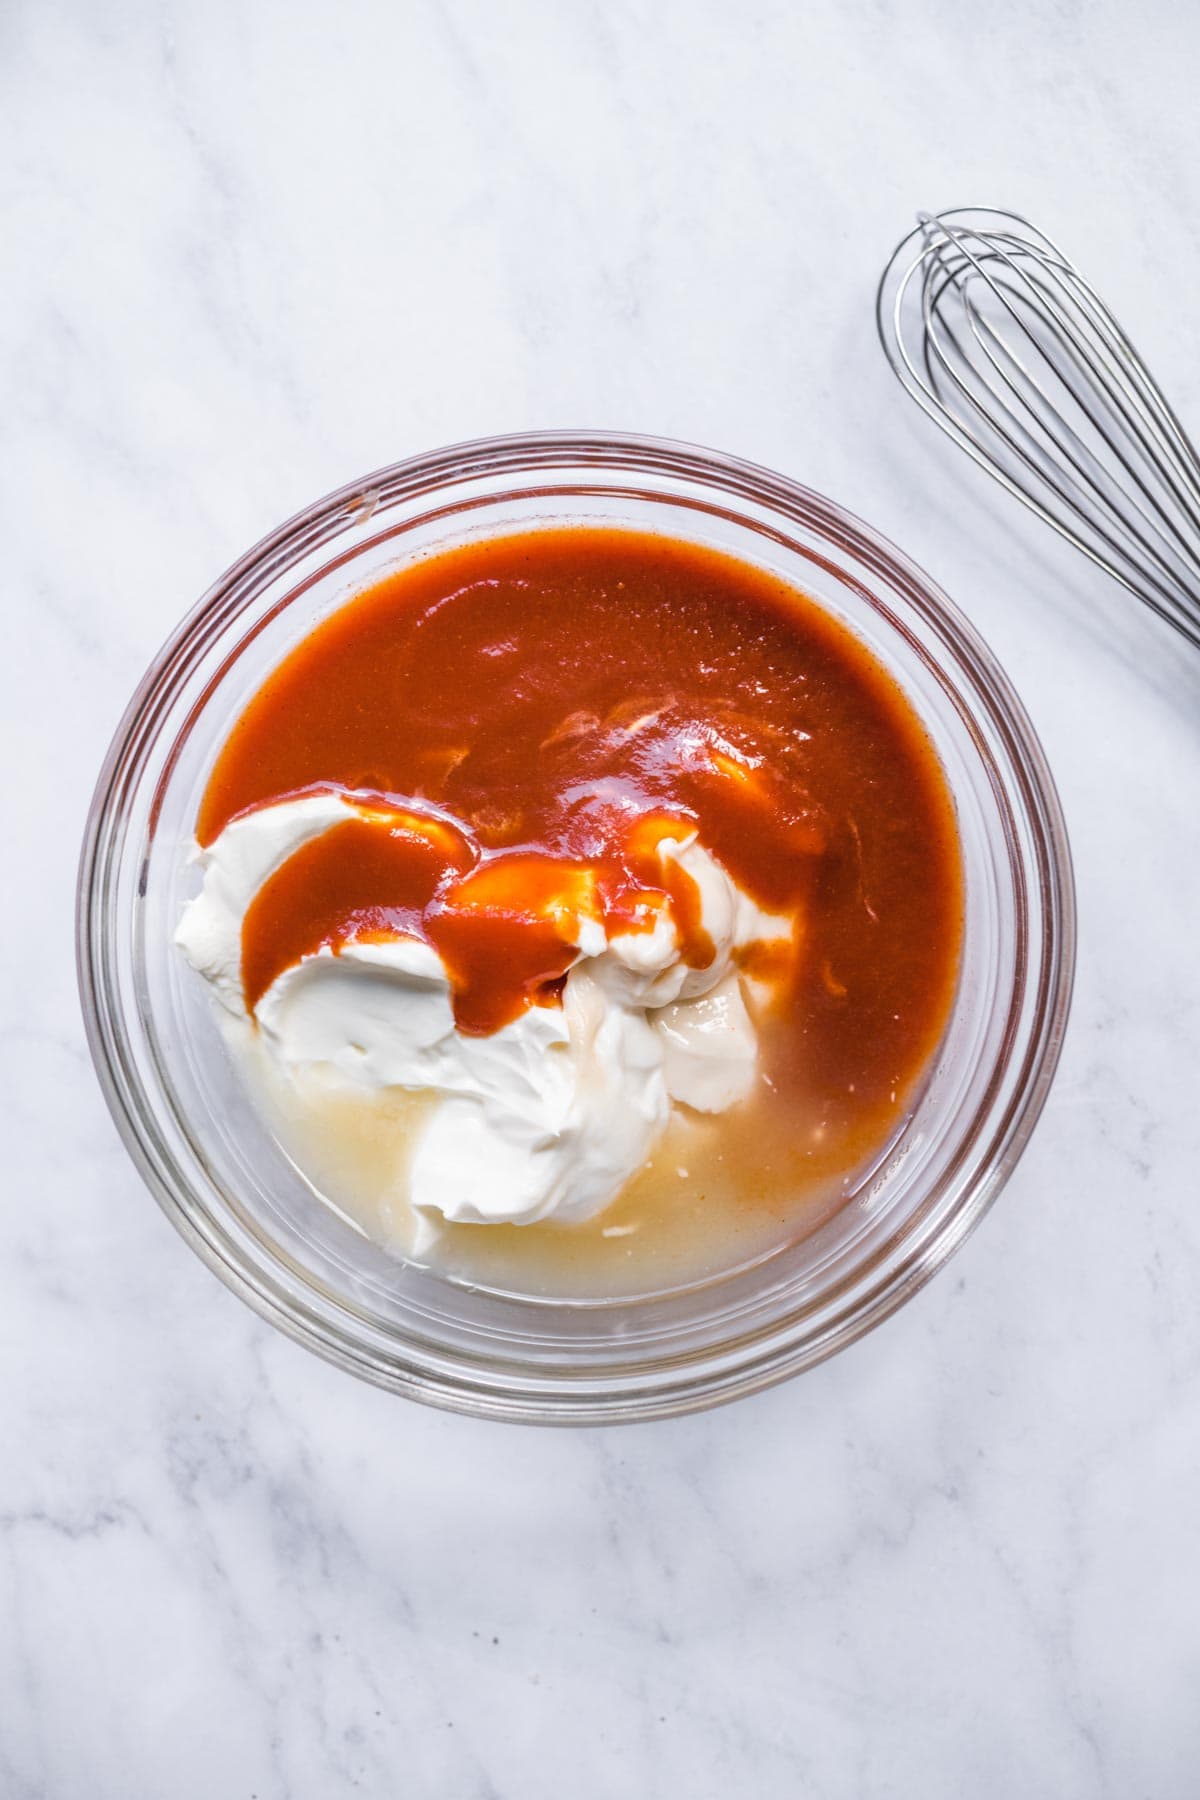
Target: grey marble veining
[(253, 251)]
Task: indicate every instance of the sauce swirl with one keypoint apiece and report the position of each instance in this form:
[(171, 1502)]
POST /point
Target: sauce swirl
[(531, 714)]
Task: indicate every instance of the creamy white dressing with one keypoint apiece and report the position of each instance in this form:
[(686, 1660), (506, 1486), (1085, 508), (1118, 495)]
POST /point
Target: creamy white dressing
[(546, 1118)]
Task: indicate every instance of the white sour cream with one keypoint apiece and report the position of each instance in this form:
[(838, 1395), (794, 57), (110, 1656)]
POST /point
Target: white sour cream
[(546, 1118)]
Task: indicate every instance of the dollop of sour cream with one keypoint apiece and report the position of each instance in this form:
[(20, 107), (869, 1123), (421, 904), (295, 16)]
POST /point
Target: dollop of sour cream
[(545, 1118)]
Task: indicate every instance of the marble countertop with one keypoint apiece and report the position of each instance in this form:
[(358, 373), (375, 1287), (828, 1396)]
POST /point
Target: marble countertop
[(254, 251)]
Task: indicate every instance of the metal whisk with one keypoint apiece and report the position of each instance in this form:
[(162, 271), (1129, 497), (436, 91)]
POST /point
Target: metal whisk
[(1006, 346)]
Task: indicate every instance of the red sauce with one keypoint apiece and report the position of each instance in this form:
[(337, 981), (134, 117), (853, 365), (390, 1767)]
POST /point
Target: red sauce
[(567, 695)]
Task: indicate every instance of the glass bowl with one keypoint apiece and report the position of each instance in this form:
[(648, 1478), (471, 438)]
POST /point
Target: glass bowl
[(226, 1184)]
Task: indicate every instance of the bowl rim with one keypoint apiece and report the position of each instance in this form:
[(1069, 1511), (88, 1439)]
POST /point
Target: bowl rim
[(525, 453)]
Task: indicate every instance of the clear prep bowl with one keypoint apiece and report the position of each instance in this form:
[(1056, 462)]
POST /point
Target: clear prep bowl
[(227, 1185)]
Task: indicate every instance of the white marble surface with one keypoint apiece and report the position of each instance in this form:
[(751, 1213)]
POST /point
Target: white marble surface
[(252, 250)]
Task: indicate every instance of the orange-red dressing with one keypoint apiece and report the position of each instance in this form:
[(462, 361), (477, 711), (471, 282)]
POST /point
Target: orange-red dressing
[(370, 877), (569, 695), (506, 924)]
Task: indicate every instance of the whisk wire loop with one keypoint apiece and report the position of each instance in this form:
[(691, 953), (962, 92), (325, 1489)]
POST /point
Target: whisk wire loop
[(1004, 344)]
